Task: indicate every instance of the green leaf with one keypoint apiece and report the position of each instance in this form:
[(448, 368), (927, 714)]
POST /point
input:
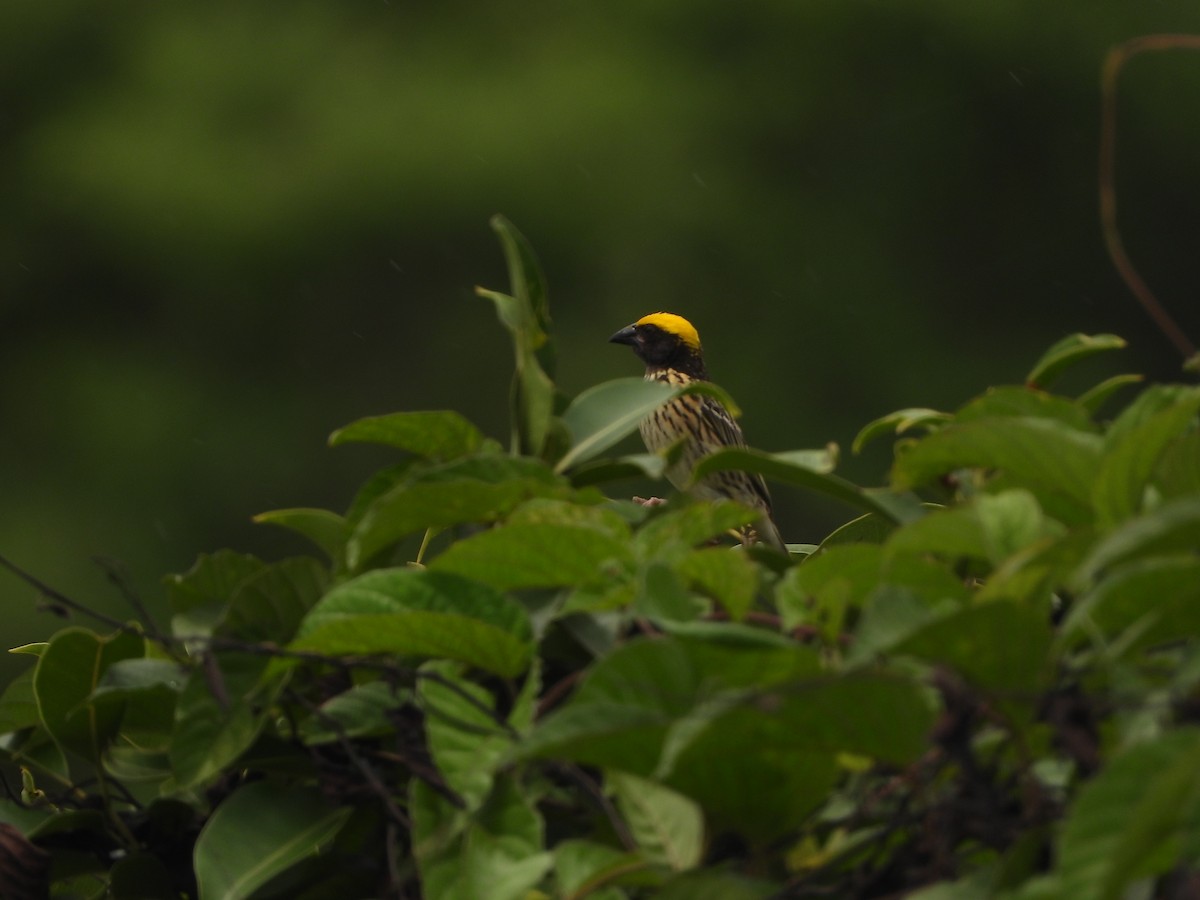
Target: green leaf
[(1131, 456), (1042, 454), (1178, 470), (606, 413), (635, 465), (67, 674), (361, 711), (140, 674), (467, 735), (212, 731), (1160, 596), (809, 469), (749, 781), (434, 434), (1126, 824), (675, 529), (581, 867), (1171, 528), (526, 281), (260, 831), (1013, 400), (870, 528), (327, 530), (198, 597), (899, 422), (536, 554), (497, 853), (623, 710), (476, 489), (990, 527), (668, 827), (1068, 352), (727, 576), (1001, 648), (420, 613), (525, 313), (1094, 398), (18, 706), (269, 605), (820, 590)]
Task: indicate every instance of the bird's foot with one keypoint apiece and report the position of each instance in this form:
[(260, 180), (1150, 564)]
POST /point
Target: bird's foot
[(649, 501)]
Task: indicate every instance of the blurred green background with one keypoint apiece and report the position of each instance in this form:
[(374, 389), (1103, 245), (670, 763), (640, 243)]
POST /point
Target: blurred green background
[(228, 228)]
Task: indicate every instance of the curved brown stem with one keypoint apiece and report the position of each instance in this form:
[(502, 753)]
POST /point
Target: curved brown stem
[(1116, 59)]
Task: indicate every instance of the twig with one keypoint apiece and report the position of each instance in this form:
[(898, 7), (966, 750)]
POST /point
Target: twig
[(119, 576), (63, 600), (593, 790), (1116, 59), (365, 768)]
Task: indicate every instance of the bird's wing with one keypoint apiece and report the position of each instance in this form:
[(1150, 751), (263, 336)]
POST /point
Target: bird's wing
[(721, 430)]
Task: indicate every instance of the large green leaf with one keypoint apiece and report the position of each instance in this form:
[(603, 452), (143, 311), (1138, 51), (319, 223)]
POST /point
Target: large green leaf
[(420, 613), (1128, 823), (440, 434), (810, 469), (1066, 353), (260, 831), (991, 527), (750, 779), (606, 413), (621, 715), (475, 489), (536, 554), (1131, 457), (1042, 454), (1000, 648), (68, 672)]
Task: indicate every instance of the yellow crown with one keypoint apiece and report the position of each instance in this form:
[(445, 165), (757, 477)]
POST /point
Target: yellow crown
[(673, 324)]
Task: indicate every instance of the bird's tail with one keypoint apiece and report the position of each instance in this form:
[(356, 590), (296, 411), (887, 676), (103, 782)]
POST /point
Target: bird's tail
[(767, 533)]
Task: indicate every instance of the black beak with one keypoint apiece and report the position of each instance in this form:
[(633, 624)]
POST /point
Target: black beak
[(627, 335)]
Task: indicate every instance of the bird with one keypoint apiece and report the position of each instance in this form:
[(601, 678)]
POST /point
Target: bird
[(669, 345)]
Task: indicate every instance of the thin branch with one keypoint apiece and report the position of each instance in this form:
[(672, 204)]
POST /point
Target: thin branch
[(364, 768), (1113, 63), (593, 790), (61, 599), (119, 576)]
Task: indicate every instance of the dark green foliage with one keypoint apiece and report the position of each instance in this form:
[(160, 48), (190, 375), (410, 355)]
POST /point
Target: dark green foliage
[(984, 686)]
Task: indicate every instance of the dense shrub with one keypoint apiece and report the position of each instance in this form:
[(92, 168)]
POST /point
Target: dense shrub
[(496, 681)]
